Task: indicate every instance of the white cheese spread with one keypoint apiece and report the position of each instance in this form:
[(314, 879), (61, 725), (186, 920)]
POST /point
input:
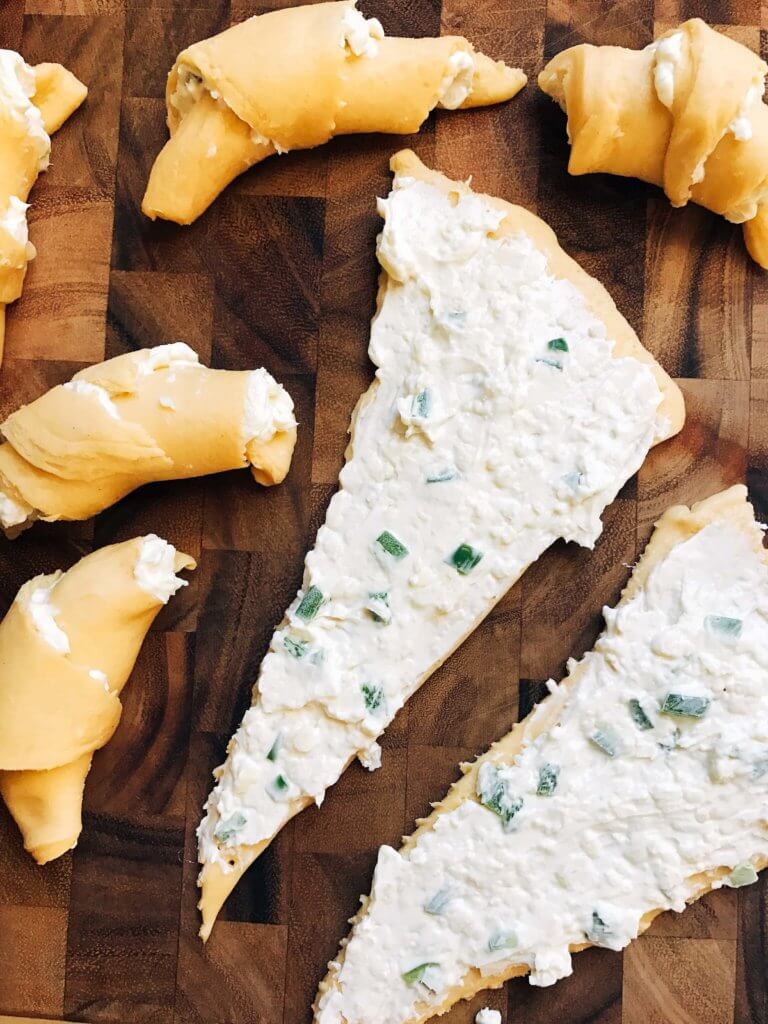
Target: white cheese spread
[(539, 427), (190, 88), (100, 677), (176, 353), (96, 392), (741, 126), (360, 35), (13, 512), (370, 758), (17, 87), (268, 408), (14, 221), (36, 597), (656, 770), (457, 82), (154, 571), (668, 52)]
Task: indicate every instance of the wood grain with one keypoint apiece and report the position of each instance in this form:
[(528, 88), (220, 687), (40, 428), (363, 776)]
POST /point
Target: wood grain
[(281, 272)]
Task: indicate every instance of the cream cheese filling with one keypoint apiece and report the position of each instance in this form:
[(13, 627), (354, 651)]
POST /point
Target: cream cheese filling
[(36, 597), (741, 126), (487, 1016), (668, 52), (161, 357), (154, 570), (268, 408), (13, 512), (655, 771), (14, 221), (457, 81), (94, 392), (360, 35), (500, 422), (17, 87), (190, 89)]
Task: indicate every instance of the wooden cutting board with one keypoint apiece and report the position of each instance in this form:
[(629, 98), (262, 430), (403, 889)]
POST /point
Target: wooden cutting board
[(281, 273)]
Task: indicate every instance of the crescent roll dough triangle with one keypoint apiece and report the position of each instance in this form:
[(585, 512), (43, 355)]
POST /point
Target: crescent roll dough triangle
[(493, 428), (156, 414), (67, 647), (294, 78), (34, 103), (610, 803), (686, 113)]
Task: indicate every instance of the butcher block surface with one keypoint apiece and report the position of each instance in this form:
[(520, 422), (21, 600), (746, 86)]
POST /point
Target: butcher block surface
[(281, 273)]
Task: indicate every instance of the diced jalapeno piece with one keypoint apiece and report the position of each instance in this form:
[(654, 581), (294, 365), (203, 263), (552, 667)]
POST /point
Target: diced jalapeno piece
[(438, 903), (598, 930), (373, 697), (604, 741), (278, 788), (638, 716), (416, 974), (296, 648), (422, 404), (464, 559), (389, 543), (685, 706), (742, 874), (441, 476), (274, 750), (723, 625), (310, 604), (573, 479), (548, 776), (493, 791), (501, 940), (226, 829), (378, 606)]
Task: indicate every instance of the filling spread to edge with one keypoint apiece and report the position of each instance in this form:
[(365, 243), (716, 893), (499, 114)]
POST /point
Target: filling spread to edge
[(655, 771), (500, 422)]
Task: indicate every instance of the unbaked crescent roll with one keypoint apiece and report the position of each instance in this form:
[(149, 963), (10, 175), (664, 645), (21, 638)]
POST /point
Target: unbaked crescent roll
[(155, 414), (686, 113), (67, 647), (295, 78), (34, 103)]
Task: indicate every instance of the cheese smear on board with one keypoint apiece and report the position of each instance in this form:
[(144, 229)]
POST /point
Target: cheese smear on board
[(655, 771), (500, 422)]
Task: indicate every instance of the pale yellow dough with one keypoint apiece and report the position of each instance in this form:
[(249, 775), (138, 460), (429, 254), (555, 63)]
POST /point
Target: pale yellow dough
[(58, 95), (67, 457), (675, 526), (618, 125), (56, 709), (283, 81), (216, 884)]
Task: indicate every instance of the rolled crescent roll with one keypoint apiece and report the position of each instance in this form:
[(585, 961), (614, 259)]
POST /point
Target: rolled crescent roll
[(295, 78), (34, 103), (67, 647), (155, 414), (685, 113)]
